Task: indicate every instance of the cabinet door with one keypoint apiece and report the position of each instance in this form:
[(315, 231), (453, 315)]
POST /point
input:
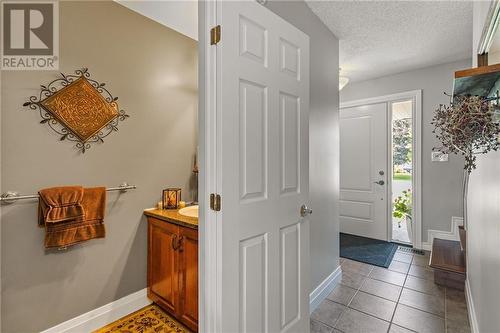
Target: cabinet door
[(163, 264), (188, 275)]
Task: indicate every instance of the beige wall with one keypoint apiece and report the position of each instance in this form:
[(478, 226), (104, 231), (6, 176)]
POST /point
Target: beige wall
[(153, 71), (323, 136)]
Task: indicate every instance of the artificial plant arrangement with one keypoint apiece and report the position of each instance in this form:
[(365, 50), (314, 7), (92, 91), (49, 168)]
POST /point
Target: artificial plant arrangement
[(402, 210), (468, 126)]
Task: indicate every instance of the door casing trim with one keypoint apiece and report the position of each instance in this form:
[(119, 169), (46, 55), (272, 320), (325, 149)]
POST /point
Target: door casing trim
[(416, 97), (209, 289)]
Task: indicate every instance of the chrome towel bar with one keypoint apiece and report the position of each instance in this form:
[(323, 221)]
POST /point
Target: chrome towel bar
[(11, 197)]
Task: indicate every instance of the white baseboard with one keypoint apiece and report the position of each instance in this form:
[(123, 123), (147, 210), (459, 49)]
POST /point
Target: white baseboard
[(426, 246), (104, 315), (324, 289), (110, 312), (474, 327), (449, 235)]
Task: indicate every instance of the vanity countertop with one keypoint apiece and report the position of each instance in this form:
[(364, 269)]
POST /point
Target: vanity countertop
[(173, 216)]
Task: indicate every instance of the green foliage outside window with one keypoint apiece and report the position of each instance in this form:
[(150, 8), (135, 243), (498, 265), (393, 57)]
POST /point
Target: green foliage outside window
[(402, 205), (401, 136)]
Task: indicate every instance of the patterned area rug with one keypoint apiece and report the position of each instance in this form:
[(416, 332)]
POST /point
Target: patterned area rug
[(150, 319)]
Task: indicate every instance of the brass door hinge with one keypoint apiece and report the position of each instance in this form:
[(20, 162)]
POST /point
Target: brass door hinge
[(215, 202), (212, 201), (215, 35)]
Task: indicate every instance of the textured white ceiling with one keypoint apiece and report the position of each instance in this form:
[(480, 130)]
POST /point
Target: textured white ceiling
[(379, 38), (182, 16)]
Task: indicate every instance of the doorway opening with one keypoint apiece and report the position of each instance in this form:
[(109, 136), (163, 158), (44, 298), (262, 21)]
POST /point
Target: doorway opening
[(380, 157), (402, 170)]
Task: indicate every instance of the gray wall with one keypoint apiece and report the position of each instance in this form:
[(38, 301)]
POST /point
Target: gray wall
[(483, 241), (153, 71), (441, 181), (324, 136), (483, 227)]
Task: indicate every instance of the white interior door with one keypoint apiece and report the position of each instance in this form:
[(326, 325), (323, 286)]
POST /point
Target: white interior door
[(262, 126), (364, 170)]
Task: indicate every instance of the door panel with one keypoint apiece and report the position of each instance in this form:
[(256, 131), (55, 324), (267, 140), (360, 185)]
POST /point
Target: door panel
[(289, 58), (289, 142), (363, 156), (263, 176), (290, 292), (356, 153), (254, 285), (253, 140), (253, 41)]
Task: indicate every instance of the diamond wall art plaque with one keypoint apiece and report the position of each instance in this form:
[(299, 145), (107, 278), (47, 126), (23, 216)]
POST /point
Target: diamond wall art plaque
[(78, 108)]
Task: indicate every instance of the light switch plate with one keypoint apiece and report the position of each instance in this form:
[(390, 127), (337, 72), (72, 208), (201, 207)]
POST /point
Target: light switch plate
[(438, 156)]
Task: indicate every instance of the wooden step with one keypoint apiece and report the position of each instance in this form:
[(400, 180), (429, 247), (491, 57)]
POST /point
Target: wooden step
[(448, 261)]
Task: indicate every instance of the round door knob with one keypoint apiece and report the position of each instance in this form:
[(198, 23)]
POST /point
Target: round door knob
[(380, 182), (304, 211)]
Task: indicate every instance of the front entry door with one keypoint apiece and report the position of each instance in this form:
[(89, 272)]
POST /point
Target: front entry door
[(363, 171), (263, 176)]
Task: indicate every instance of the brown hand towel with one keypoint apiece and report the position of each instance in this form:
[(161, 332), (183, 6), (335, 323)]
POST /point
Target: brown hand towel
[(77, 230), (60, 204)]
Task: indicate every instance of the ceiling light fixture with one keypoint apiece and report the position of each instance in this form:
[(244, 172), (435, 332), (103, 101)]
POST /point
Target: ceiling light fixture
[(343, 80)]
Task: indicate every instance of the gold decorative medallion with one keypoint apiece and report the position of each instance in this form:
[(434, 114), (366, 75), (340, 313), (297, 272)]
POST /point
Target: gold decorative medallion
[(78, 108)]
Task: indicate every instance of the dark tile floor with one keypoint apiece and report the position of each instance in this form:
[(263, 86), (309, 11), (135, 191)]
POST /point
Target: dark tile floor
[(402, 298)]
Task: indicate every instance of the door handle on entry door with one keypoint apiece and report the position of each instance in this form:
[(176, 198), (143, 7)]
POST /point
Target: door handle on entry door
[(304, 211), (380, 182)]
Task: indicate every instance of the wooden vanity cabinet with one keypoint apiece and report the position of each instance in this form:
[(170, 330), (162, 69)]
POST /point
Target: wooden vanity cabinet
[(173, 270), (188, 277)]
